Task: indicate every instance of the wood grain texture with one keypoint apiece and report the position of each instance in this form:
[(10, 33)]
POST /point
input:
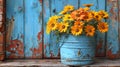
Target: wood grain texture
[(101, 62), (113, 46), (46, 15), (14, 42), (33, 29)]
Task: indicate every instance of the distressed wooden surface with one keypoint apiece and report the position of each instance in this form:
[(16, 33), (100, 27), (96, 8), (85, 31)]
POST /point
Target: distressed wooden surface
[(2, 30), (14, 39), (24, 29), (46, 15), (119, 24), (56, 63), (25, 23), (113, 45), (33, 29), (51, 7)]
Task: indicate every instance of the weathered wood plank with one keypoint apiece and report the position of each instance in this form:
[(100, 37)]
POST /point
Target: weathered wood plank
[(101, 62), (51, 49), (33, 29), (119, 22), (14, 42), (97, 5), (113, 46), (46, 15), (101, 44), (2, 29)]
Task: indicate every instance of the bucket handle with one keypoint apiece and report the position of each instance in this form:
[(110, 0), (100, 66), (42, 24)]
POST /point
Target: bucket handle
[(62, 43)]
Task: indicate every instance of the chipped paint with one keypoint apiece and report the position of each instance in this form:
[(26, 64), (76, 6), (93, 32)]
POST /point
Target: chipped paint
[(100, 53), (2, 29), (2, 56), (40, 1), (1, 38), (79, 53), (113, 43), (37, 52), (15, 48), (110, 55), (39, 36)]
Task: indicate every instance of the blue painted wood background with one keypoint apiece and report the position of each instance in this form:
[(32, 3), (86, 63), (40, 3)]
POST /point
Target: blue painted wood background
[(26, 26), (24, 29)]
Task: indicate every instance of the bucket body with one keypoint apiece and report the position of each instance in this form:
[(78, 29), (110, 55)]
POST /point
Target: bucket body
[(78, 50)]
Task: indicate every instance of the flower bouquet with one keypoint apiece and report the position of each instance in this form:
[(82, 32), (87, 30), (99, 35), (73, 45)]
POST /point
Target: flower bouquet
[(80, 25), (79, 21)]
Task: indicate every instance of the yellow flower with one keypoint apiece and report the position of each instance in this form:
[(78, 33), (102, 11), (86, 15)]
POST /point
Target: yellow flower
[(75, 30), (78, 23), (63, 26), (92, 13), (89, 17), (55, 17), (86, 8), (68, 8), (87, 5), (103, 14), (90, 30), (67, 17), (102, 27), (51, 25), (97, 16)]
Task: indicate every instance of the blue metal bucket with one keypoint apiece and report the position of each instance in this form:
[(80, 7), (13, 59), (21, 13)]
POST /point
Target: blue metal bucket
[(78, 50)]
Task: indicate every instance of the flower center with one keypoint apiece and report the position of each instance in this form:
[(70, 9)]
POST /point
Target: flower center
[(89, 30), (97, 16), (68, 17), (103, 27), (69, 8), (78, 24), (63, 27), (92, 14), (52, 25), (77, 30), (77, 15)]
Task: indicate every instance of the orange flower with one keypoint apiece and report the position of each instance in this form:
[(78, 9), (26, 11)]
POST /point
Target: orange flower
[(102, 27), (74, 14), (78, 23), (90, 30), (79, 14), (103, 14)]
